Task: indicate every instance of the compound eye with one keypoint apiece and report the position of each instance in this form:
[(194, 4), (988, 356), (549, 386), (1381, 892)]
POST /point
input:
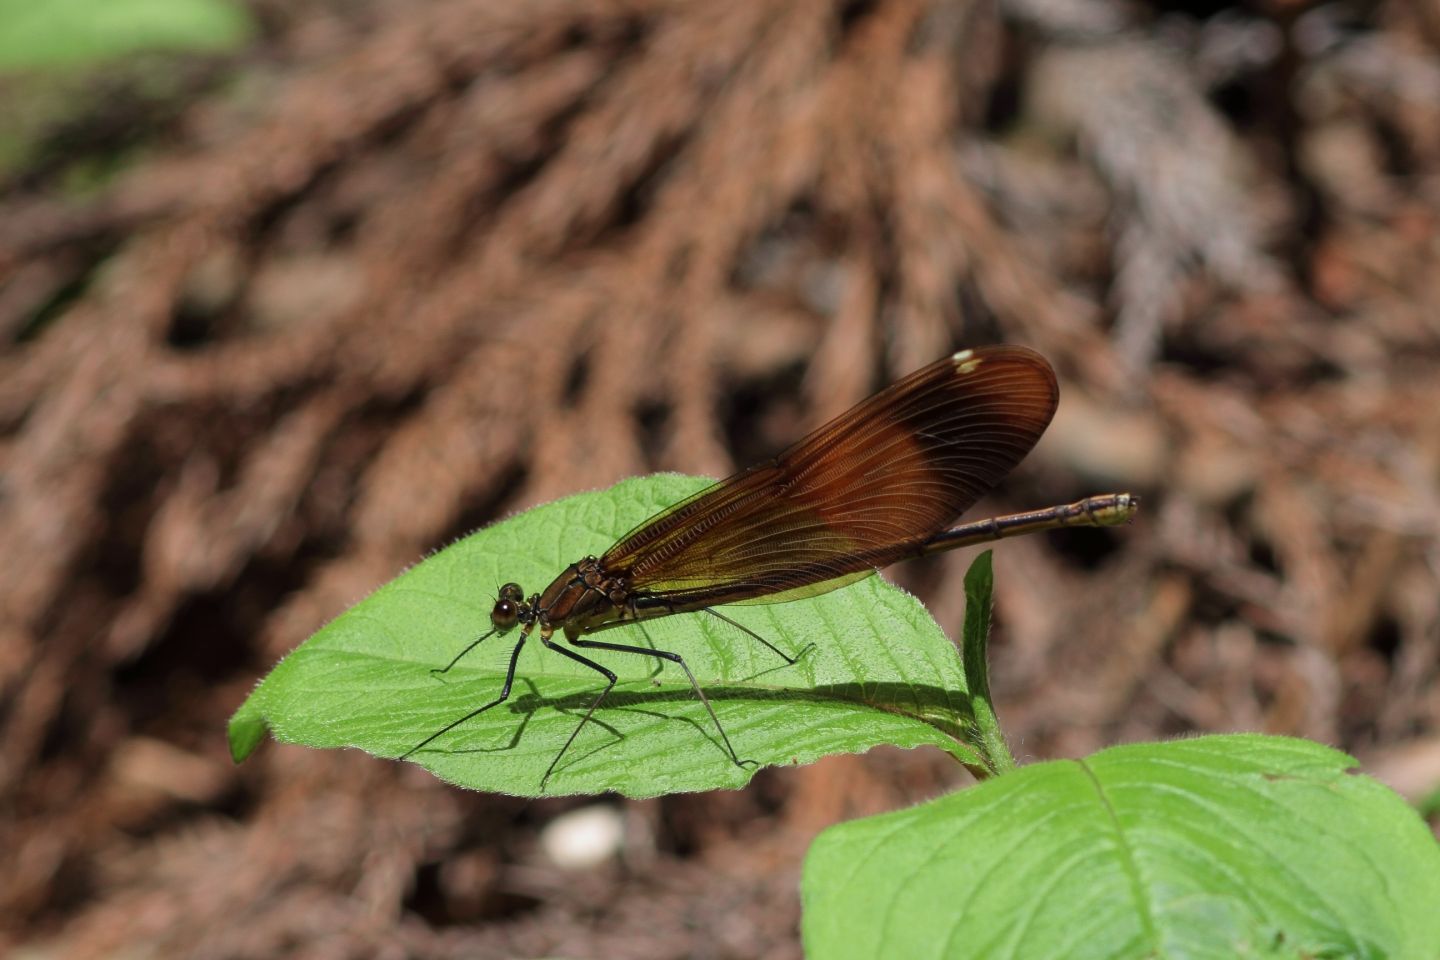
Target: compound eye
[(505, 615), (512, 591)]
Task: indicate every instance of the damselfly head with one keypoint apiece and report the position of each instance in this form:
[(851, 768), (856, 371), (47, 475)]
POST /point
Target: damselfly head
[(507, 607)]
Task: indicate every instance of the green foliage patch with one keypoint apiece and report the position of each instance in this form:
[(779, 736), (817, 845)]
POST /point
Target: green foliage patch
[(65, 34), (1220, 846)]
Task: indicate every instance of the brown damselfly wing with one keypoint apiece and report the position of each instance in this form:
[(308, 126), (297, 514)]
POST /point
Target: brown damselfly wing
[(867, 489), (878, 484)]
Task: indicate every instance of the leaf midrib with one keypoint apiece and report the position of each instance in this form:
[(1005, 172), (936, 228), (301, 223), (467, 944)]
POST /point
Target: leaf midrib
[(1128, 863)]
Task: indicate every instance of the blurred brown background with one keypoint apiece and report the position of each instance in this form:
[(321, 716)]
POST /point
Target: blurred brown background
[(387, 271)]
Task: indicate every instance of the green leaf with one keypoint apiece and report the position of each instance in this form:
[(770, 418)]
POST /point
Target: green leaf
[(66, 33), (1223, 846), (879, 671), (975, 641)]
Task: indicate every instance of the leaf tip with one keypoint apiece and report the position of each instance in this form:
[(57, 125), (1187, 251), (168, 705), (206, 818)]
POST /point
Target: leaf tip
[(979, 578), (245, 731)]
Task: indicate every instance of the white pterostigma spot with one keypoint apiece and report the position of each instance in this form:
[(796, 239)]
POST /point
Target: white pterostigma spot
[(965, 361)]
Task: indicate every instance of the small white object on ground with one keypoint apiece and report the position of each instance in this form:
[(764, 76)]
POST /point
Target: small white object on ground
[(584, 838)]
